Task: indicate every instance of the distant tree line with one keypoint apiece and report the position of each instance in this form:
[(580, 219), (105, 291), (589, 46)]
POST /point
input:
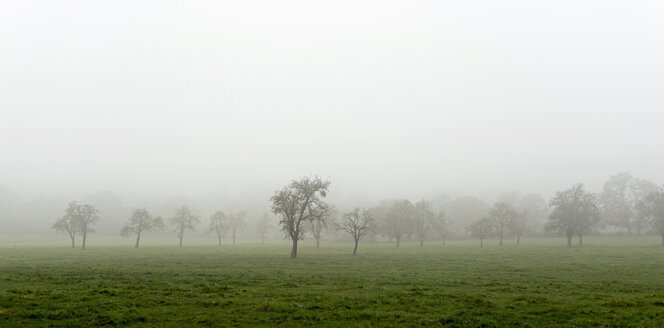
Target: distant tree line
[(79, 219), (625, 202)]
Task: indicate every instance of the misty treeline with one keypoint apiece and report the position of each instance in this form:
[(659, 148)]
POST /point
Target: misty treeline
[(80, 219), (32, 219), (626, 204)]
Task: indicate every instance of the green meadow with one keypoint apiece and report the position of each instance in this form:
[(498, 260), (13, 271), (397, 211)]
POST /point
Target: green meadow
[(610, 282)]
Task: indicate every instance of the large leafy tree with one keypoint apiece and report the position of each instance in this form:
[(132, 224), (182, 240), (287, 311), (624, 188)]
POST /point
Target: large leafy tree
[(141, 221), (182, 221), (297, 204), (575, 212)]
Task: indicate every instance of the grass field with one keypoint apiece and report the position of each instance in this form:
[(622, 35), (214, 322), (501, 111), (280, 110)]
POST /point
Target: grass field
[(610, 282)]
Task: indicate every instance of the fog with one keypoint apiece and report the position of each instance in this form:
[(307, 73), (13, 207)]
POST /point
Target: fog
[(219, 104)]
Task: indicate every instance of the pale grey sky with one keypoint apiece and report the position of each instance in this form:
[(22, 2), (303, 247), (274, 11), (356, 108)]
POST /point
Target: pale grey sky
[(394, 98)]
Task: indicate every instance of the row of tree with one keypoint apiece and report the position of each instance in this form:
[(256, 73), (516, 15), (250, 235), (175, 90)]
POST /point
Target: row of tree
[(301, 208), (627, 202), (503, 219), (400, 219), (79, 220), (623, 200), (576, 212)]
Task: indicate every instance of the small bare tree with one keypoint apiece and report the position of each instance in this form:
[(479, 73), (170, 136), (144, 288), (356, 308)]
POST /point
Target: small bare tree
[(296, 204), (398, 221), (141, 221), (423, 219), (502, 215), (236, 223), (481, 229), (372, 235), (68, 222), (322, 219), (183, 221), (218, 225), (88, 216), (652, 208), (519, 225), (358, 224), (264, 227), (441, 225)]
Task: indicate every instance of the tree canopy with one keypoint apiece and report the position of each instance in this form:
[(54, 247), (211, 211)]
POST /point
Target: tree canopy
[(297, 204)]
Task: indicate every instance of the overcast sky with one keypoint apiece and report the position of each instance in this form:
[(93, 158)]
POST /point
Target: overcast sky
[(393, 98)]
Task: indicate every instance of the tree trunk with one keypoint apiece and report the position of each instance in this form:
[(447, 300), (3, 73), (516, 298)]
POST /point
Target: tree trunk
[(218, 239), (73, 242), (355, 249), (398, 240), (518, 239), (501, 240), (580, 240), (421, 242), (181, 235), (318, 242), (443, 241), (293, 253), (138, 239), (233, 239), (85, 236), (569, 241), (481, 243)]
